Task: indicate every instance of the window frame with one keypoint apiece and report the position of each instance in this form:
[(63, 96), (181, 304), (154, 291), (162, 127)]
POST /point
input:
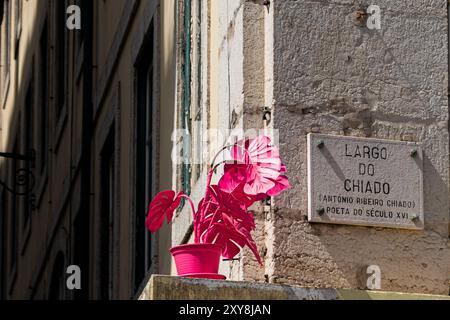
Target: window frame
[(13, 221), (18, 24), (108, 208), (43, 120), (57, 288), (196, 90), (108, 130), (29, 126), (60, 72), (6, 54), (146, 125), (193, 117), (186, 98), (3, 241)]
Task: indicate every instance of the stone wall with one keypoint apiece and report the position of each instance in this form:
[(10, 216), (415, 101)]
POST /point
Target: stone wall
[(332, 76), (319, 70)]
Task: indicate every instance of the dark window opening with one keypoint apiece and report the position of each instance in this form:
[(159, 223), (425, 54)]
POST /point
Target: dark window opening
[(43, 113), (79, 34), (3, 268), (7, 21), (144, 160), (107, 214), (18, 23), (13, 228), (81, 254), (57, 283), (60, 55), (28, 146)]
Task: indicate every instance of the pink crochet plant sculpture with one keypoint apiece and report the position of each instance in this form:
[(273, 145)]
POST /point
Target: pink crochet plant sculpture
[(254, 173)]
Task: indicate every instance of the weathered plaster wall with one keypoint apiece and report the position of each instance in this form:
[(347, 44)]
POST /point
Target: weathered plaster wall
[(322, 73), (254, 83), (241, 101), (230, 84), (331, 76), (222, 90), (168, 102), (232, 56)]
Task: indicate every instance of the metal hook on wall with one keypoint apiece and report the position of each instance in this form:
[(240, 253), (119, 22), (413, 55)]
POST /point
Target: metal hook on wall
[(24, 180)]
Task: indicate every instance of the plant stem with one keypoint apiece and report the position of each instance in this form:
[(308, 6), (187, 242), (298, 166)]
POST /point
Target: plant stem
[(191, 203), (223, 149), (218, 153), (193, 211), (202, 211), (213, 218)]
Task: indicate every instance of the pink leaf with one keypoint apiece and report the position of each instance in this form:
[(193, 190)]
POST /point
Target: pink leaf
[(281, 184), (164, 205), (264, 163), (234, 175), (228, 224), (233, 182), (233, 235)]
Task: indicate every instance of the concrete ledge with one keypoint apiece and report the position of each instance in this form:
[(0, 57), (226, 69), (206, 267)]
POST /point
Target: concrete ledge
[(176, 288)]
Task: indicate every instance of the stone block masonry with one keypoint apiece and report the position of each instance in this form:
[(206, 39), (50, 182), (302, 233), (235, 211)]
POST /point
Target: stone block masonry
[(325, 74)]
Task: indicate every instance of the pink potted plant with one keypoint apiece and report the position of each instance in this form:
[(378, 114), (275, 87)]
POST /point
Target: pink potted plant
[(223, 224)]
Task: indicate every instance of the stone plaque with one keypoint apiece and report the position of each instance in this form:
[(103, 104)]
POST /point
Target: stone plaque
[(366, 182)]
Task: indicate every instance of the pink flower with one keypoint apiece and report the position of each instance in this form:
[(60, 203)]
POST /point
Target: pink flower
[(264, 164), (237, 176), (233, 182), (281, 184)]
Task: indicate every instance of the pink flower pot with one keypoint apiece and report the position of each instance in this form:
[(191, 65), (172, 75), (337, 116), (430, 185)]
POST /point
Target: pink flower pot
[(198, 260)]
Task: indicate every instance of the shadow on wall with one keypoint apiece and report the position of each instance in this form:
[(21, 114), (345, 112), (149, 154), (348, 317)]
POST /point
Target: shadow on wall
[(34, 243)]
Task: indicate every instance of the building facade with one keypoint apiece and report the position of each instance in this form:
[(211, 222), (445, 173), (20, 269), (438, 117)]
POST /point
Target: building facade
[(143, 95), (294, 68), (70, 100)]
